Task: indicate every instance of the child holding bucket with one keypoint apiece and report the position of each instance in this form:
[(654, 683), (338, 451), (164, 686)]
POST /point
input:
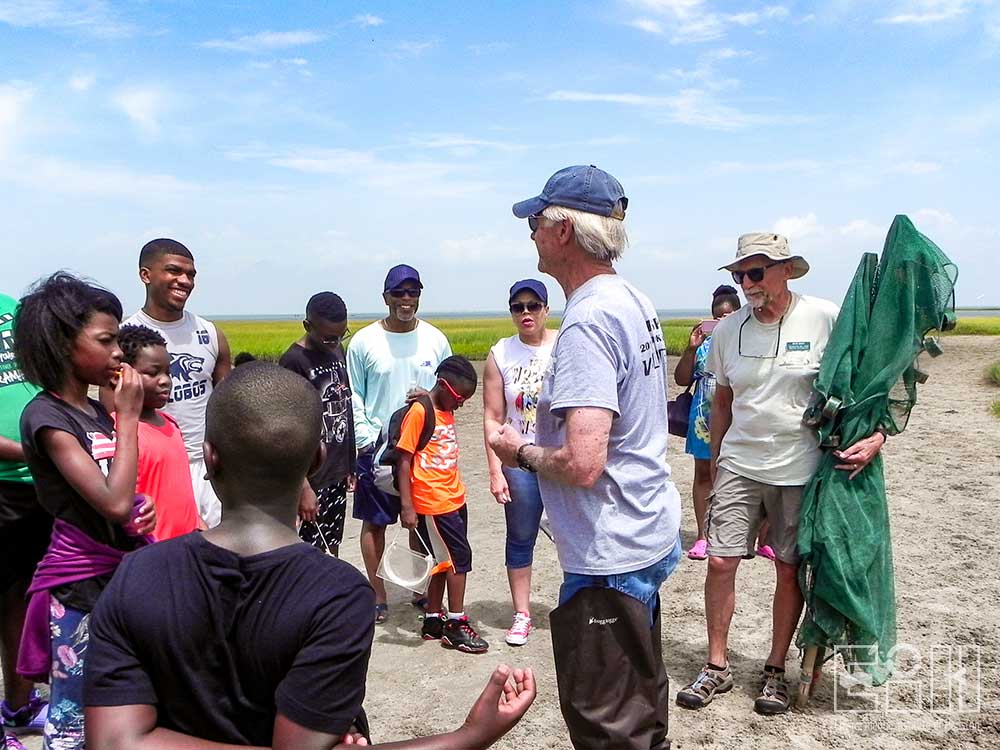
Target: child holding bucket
[(432, 499)]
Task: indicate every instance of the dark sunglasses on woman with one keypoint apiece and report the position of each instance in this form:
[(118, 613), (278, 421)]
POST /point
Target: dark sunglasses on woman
[(519, 307), (756, 275)]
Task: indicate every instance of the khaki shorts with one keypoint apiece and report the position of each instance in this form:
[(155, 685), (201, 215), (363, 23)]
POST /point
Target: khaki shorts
[(738, 508)]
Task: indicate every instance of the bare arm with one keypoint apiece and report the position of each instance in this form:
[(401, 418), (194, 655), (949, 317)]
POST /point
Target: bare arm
[(224, 362), (684, 372), (112, 495), (10, 450), (506, 697), (722, 418), (494, 413), (579, 462), (407, 515)]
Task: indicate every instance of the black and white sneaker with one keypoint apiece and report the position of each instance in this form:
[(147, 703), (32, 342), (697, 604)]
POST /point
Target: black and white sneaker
[(460, 635), (432, 628)]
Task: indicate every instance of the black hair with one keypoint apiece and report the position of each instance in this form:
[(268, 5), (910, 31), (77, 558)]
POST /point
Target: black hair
[(133, 338), (49, 318), (725, 294), (155, 249), (265, 423), (243, 358), (457, 366), (326, 306)]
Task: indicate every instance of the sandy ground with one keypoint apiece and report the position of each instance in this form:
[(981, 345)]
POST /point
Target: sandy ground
[(943, 477)]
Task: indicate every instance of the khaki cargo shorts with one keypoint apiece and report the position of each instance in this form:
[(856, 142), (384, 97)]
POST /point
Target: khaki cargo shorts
[(738, 508)]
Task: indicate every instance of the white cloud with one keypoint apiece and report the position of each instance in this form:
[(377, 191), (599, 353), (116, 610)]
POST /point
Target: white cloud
[(647, 24), (798, 227), (266, 40), (82, 81), (366, 19), (12, 101), (89, 16), (915, 168), (460, 145), (693, 21), (432, 178), (862, 231), (143, 106), (691, 106), (928, 11), (933, 217), (414, 49), (767, 167), (56, 175), (297, 61), (489, 48)]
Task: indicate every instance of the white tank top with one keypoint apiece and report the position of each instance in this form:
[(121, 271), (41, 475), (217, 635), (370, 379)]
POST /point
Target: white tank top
[(193, 345), (521, 367)]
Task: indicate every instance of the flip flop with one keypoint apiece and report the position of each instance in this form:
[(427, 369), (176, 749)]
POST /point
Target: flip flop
[(381, 612)]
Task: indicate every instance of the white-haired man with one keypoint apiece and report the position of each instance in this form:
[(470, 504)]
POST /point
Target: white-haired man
[(601, 439), (765, 358)]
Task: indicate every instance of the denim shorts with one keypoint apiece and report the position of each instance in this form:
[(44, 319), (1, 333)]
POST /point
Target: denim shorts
[(643, 584)]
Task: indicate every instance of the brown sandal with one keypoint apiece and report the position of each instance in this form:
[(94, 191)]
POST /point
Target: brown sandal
[(700, 692), (774, 697)]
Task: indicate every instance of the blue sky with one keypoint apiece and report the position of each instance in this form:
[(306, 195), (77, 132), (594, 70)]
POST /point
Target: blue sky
[(296, 147)]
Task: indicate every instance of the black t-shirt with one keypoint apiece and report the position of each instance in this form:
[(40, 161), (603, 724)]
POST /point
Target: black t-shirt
[(327, 371), (219, 643), (96, 435)]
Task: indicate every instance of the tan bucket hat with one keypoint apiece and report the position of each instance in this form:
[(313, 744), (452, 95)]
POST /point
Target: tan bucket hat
[(770, 245)]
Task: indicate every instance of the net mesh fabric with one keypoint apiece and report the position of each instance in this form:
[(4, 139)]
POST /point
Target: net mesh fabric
[(844, 540)]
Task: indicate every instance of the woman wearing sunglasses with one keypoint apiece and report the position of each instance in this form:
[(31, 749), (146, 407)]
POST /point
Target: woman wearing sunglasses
[(512, 382)]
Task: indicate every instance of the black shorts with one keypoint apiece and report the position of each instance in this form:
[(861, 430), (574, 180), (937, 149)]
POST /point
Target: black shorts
[(447, 536), (24, 540), (327, 531)]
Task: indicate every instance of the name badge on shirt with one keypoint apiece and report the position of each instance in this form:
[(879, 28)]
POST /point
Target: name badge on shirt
[(797, 346)]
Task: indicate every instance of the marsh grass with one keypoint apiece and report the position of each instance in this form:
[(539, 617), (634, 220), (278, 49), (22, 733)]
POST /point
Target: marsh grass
[(976, 327), (470, 337), (993, 374), (995, 408)]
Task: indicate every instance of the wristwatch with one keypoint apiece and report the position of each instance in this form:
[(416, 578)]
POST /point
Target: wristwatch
[(522, 462)]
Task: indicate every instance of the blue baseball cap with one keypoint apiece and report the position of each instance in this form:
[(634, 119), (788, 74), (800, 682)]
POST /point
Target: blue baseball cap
[(532, 285), (585, 188), (398, 274)]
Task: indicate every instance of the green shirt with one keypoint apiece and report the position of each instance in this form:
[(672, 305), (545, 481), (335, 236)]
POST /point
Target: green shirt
[(15, 392)]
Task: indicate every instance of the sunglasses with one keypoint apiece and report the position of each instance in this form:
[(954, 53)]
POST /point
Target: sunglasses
[(519, 307), (755, 275), (337, 339), (459, 399), (334, 341), (400, 293), (533, 222)]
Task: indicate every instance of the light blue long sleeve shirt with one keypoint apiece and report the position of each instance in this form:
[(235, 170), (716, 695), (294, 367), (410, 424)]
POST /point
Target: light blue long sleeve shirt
[(384, 366)]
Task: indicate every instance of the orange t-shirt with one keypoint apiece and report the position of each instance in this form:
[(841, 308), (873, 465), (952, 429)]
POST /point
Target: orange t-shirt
[(165, 477), (436, 484)]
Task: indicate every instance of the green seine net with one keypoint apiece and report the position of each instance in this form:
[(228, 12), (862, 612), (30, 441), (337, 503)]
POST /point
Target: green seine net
[(868, 377)]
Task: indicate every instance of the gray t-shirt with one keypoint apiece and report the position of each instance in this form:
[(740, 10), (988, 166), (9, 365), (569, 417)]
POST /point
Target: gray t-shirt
[(610, 354)]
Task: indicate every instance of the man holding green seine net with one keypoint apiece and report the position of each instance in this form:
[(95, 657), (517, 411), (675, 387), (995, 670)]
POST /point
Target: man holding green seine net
[(765, 357)]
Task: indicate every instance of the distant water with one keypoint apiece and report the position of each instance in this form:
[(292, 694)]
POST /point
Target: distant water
[(963, 312)]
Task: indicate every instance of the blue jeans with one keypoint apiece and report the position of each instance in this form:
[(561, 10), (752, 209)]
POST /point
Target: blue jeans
[(523, 512), (643, 585)]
